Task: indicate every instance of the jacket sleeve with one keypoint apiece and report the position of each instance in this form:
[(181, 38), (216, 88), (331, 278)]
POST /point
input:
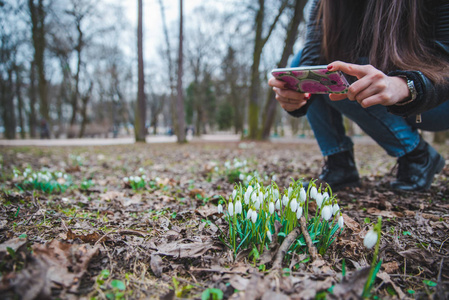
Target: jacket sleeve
[(429, 95), (311, 52)]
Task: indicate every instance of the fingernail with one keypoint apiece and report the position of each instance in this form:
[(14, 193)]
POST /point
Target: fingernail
[(330, 67), (307, 96)]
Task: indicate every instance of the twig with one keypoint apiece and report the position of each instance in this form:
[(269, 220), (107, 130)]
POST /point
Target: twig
[(291, 237), (216, 271), (312, 250), (122, 231)]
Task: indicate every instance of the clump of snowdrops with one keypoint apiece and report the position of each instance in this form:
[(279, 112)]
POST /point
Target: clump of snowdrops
[(44, 180), (253, 210)]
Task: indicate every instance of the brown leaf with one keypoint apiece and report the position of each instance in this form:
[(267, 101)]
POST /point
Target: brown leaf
[(191, 250), (351, 224), (194, 192), (14, 244), (386, 278), (351, 287), (390, 267), (156, 264), (91, 238), (384, 213)]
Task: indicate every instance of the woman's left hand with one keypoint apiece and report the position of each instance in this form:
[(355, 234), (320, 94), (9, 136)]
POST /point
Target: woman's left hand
[(372, 87)]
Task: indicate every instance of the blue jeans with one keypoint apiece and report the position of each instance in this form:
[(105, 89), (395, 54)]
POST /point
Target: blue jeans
[(397, 135)]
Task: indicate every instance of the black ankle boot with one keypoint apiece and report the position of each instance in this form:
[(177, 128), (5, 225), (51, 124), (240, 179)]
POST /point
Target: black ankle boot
[(417, 169), (339, 171)]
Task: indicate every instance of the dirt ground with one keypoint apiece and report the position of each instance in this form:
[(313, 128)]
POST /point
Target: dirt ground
[(101, 239)]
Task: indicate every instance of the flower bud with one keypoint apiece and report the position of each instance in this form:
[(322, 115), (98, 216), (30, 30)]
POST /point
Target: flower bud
[(299, 212), (278, 204), (326, 212), (370, 239), (238, 207), (254, 217), (220, 208), (290, 191), (340, 222), (231, 209), (294, 205), (271, 208), (302, 195), (335, 208), (285, 200), (234, 193), (269, 236), (313, 192)]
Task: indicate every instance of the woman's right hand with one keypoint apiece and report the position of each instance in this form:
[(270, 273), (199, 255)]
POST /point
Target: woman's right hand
[(289, 100)]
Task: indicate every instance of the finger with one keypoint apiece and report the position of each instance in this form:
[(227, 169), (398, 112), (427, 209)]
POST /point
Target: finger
[(293, 107), (286, 93), (276, 83), (351, 69), (337, 97), (358, 87)]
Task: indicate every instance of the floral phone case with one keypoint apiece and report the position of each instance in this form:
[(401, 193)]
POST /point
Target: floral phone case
[(314, 80)]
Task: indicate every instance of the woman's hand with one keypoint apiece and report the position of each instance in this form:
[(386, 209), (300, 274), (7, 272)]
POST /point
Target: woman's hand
[(289, 100), (372, 87)]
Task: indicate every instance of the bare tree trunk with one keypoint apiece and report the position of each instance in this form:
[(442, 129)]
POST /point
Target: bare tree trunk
[(271, 104), (259, 43), (7, 103), (37, 14), (85, 100), (20, 101), (140, 130), (180, 99), (32, 120), (170, 70)]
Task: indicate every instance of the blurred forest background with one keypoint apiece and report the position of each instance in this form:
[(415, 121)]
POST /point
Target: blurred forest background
[(78, 68)]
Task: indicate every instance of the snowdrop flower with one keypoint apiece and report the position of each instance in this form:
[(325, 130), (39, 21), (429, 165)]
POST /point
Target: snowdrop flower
[(290, 191), (302, 195), (370, 239), (325, 196), (126, 179), (313, 192), (340, 221), (257, 203), (326, 212), (144, 177), (285, 200), (247, 196), (278, 204), (220, 208), (335, 208), (137, 178), (249, 214), (269, 236), (271, 208), (238, 207), (231, 209), (254, 216), (276, 193), (274, 177), (299, 212), (131, 178), (294, 205), (319, 199), (234, 193), (241, 177)]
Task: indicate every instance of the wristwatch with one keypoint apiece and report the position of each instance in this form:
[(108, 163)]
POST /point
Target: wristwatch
[(412, 90)]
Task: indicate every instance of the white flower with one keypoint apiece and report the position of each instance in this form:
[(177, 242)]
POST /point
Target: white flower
[(231, 209), (254, 198), (276, 193), (241, 177), (340, 221), (271, 208), (325, 196), (131, 178), (285, 200), (335, 208), (220, 208), (126, 179), (137, 178), (290, 190), (319, 199), (294, 205), (274, 177), (278, 204), (234, 193), (254, 217), (249, 214), (370, 239), (302, 195), (313, 192), (247, 196), (257, 203), (326, 212), (238, 207), (299, 212), (269, 236)]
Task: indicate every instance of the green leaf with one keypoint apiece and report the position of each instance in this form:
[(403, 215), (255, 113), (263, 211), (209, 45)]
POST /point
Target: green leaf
[(118, 284), (411, 292), (11, 252), (406, 233), (23, 236), (212, 294), (104, 274), (429, 283), (367, 221), (286, 271)]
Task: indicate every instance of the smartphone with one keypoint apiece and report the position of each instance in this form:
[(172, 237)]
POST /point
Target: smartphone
[(313, 80)]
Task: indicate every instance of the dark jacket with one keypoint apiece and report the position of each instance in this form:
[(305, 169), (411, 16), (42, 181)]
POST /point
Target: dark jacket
[(429, 96)]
